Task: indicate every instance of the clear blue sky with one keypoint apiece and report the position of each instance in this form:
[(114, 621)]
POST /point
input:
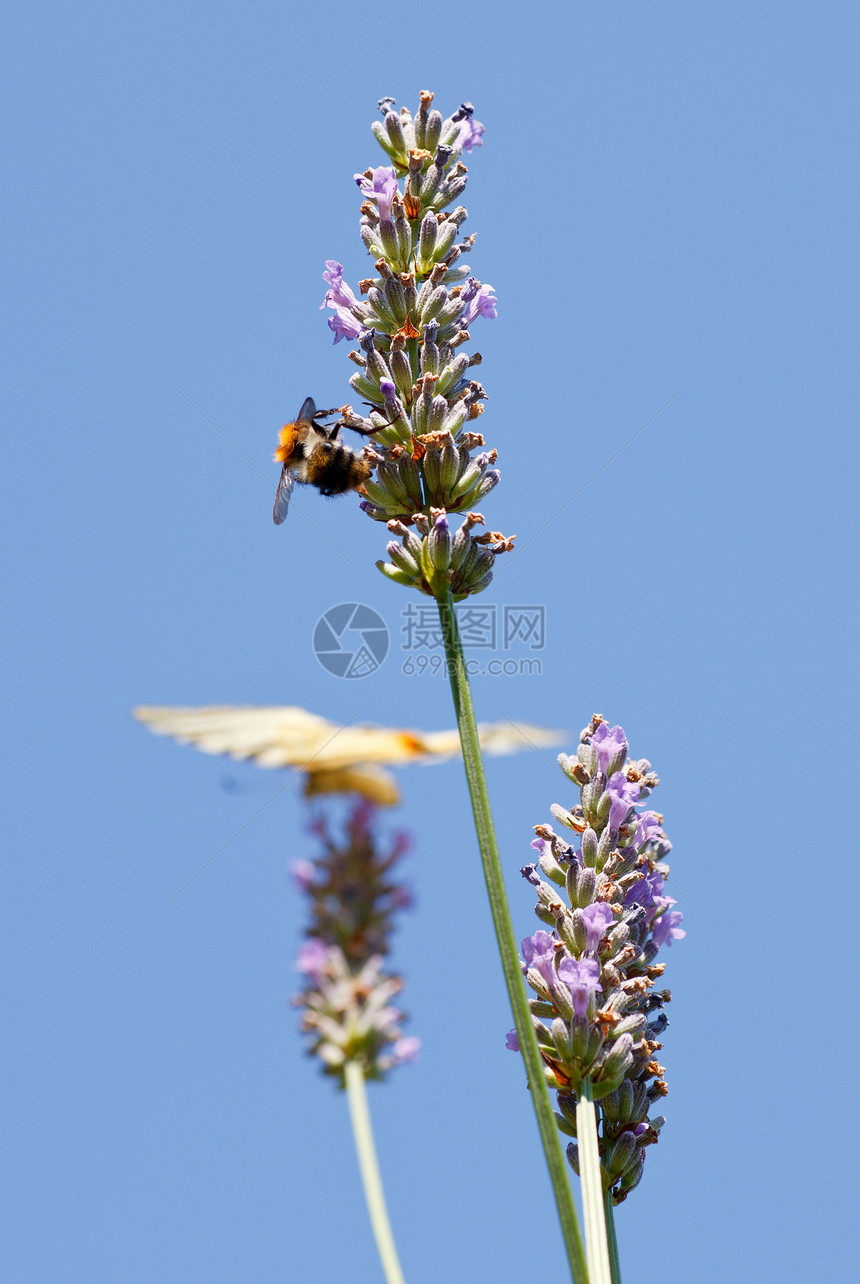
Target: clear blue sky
[(666, 191)]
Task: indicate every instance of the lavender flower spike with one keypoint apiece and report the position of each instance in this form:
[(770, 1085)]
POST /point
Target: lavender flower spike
[(601, 1044), (410, 317), (347, 1002)]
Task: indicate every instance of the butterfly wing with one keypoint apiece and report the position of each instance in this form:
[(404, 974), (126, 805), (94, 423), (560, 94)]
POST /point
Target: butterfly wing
[(274, 736), (287, 736), (496, 738)]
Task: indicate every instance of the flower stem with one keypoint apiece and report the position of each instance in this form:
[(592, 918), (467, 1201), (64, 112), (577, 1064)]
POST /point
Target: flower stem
[(494, 878), (362, 1132), (596, 1246), (614, 1260)]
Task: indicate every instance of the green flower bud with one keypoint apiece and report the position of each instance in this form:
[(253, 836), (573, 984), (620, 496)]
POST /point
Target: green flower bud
[(433, 131), (564, 1125), (398, 144), (402, 559), (586, 1041), (386, 317), (456, 417), (561, 1035), (401, 372), (447, 230), (403, 233), (393, 573), (427, 238), (395, 297), (365, 387), (621, 1155), (431, 301), (618, 1061), (453, 373), (633, 1176), (429, 352), (439, 543), (389, 241), (582, 884)]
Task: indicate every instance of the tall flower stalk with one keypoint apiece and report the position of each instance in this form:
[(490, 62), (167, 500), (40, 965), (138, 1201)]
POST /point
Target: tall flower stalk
[(505, 939), (410, 322), (353, 1027)]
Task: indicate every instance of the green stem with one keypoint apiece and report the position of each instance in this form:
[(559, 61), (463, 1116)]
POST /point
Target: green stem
[(596, 1246), (362, 1132), (614, 1260), (494, 878)]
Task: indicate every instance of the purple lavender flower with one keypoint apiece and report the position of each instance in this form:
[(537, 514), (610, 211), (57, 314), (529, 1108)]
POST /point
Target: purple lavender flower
[(538, 952), (623, 795), (609, 742), (667, 928), (312, 958), (596, 918), (471, 135), (543, 846), (583, 977), (406, 1049), (339, 294), (479, 301), (344, 325), (471, 132), (647, 827), (302, 874), (641, 893), (512, 1042), (382, 188)]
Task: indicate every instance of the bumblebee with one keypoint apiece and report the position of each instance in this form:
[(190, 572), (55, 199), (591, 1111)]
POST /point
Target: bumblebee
[(312, 454)]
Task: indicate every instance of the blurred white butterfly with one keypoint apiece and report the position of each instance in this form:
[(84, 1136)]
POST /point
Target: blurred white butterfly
[(333, 758)]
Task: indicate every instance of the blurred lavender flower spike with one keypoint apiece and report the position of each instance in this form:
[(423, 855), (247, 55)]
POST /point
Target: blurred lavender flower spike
[(597, 1014), (410, 321), (347, 1002)]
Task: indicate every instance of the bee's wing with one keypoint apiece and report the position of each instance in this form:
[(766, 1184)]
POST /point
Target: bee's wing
[(282, 495), (308, 410)]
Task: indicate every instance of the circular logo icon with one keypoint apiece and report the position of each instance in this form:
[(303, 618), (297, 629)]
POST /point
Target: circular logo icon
[(350, 640)]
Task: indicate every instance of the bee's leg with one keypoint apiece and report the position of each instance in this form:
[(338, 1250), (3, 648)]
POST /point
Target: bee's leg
[(371, 432)]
